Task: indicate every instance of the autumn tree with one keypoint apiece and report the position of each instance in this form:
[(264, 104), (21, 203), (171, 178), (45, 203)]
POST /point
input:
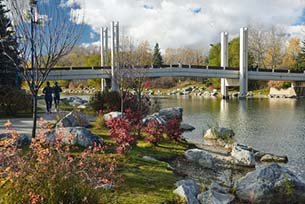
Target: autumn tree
[(143, 54), (45, 34), (184, 56), (274, 48), (291, 54), (301, 57), (258, 44)]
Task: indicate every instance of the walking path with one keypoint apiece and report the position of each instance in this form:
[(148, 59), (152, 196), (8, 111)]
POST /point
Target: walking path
[(24, 125)]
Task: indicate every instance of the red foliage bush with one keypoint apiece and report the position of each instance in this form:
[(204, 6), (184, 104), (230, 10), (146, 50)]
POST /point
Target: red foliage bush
[(173, 130), (120, 131), (154, 131), (50, 172)]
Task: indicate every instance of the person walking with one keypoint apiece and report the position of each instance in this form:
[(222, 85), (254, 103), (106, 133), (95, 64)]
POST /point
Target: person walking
[(57, 90), (47, 91)]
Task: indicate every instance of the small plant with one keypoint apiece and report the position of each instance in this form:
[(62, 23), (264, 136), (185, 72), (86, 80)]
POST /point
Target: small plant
[(100, 121)]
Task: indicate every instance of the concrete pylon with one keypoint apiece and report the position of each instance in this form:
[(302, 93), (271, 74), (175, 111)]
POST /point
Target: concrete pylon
[(104, 53), (243, 63), (114, 55), (224, 62)]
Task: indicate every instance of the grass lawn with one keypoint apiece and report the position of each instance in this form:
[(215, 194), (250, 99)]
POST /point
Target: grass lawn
[(144, 181)]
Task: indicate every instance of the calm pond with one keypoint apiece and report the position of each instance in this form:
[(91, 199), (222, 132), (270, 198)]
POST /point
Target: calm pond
[(270, 125)]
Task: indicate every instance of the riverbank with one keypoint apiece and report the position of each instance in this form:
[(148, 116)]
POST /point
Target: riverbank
[(145, 181)]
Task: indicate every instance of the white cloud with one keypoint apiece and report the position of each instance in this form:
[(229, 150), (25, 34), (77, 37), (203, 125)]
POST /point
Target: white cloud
[(174, 23)]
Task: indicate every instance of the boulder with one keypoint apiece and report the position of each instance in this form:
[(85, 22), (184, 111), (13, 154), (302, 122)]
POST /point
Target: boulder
[(113, 115), (211, 134), (201, 157), (22, 140), (271, 184), (77, 136), (186, 127), (274, 158), (154, 116), (242, 157), (219, 133), (73, 119), (171, 113), (216, 195), (188, 190), (225, 177)]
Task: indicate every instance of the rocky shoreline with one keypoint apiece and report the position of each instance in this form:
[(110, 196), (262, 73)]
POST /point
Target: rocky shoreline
[(223, 171)]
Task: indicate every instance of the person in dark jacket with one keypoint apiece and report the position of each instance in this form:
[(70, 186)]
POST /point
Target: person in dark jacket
[(47, 91), (57, 90)]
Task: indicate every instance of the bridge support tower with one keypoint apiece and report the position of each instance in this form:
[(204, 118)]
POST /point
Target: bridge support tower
[(243, 63), (104, 54), (115, 44), (224, 63)]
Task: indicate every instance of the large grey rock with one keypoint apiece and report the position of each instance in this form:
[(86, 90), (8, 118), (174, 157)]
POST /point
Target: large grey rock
[(274, 158), (242, 157), (155, 117), (215, 133), (78, 136), (22, 139), (73, 119), (201, 157), (225, 177), (171, 113), (216, 195), (188, 190), (186, 127), (271, 184), (113, 115)]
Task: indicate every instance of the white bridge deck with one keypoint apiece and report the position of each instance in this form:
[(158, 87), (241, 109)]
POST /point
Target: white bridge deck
[(79, 73)]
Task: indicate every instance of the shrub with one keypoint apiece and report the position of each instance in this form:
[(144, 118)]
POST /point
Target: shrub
[(51, 173), (279, 84), (154, 132), (163, 82), (173, 130), (106, 101), (120, 132), (111, 101), (14, 101)]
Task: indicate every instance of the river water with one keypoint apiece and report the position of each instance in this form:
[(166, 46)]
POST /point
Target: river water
[(271, 125)]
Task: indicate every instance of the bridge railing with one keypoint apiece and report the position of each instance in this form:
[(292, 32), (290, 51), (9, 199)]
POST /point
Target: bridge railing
[(184, 66)]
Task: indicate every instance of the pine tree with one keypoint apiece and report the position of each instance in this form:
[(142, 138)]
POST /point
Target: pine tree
[(8, 51), (301, 58), (157, 58)]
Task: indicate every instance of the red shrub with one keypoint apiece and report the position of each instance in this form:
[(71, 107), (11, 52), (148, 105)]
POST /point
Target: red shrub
[(120, 131), (50, 172), (154, 132), (173, 130)]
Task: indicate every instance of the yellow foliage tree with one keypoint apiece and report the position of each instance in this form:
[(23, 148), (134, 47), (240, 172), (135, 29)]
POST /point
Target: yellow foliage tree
[(291, 54)]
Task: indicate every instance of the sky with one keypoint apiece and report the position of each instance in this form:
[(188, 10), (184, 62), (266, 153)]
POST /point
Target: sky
[(189, 23)]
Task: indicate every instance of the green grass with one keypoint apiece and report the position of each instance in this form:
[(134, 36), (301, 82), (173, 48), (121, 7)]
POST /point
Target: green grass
[(144, 181)]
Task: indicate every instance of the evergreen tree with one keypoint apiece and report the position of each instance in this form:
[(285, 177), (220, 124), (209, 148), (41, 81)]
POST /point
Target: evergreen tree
[(8, 50), (301, 57), (157, 58)]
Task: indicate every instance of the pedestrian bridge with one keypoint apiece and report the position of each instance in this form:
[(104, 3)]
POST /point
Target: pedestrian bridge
[(81, 73)]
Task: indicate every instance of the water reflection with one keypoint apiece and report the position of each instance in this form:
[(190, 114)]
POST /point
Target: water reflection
[(271, 125)]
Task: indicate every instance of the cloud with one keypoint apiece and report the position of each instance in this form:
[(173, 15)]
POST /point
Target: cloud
[(192, 23)]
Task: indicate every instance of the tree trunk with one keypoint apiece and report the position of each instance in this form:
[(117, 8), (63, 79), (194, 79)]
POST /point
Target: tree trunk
[(34, 115)]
